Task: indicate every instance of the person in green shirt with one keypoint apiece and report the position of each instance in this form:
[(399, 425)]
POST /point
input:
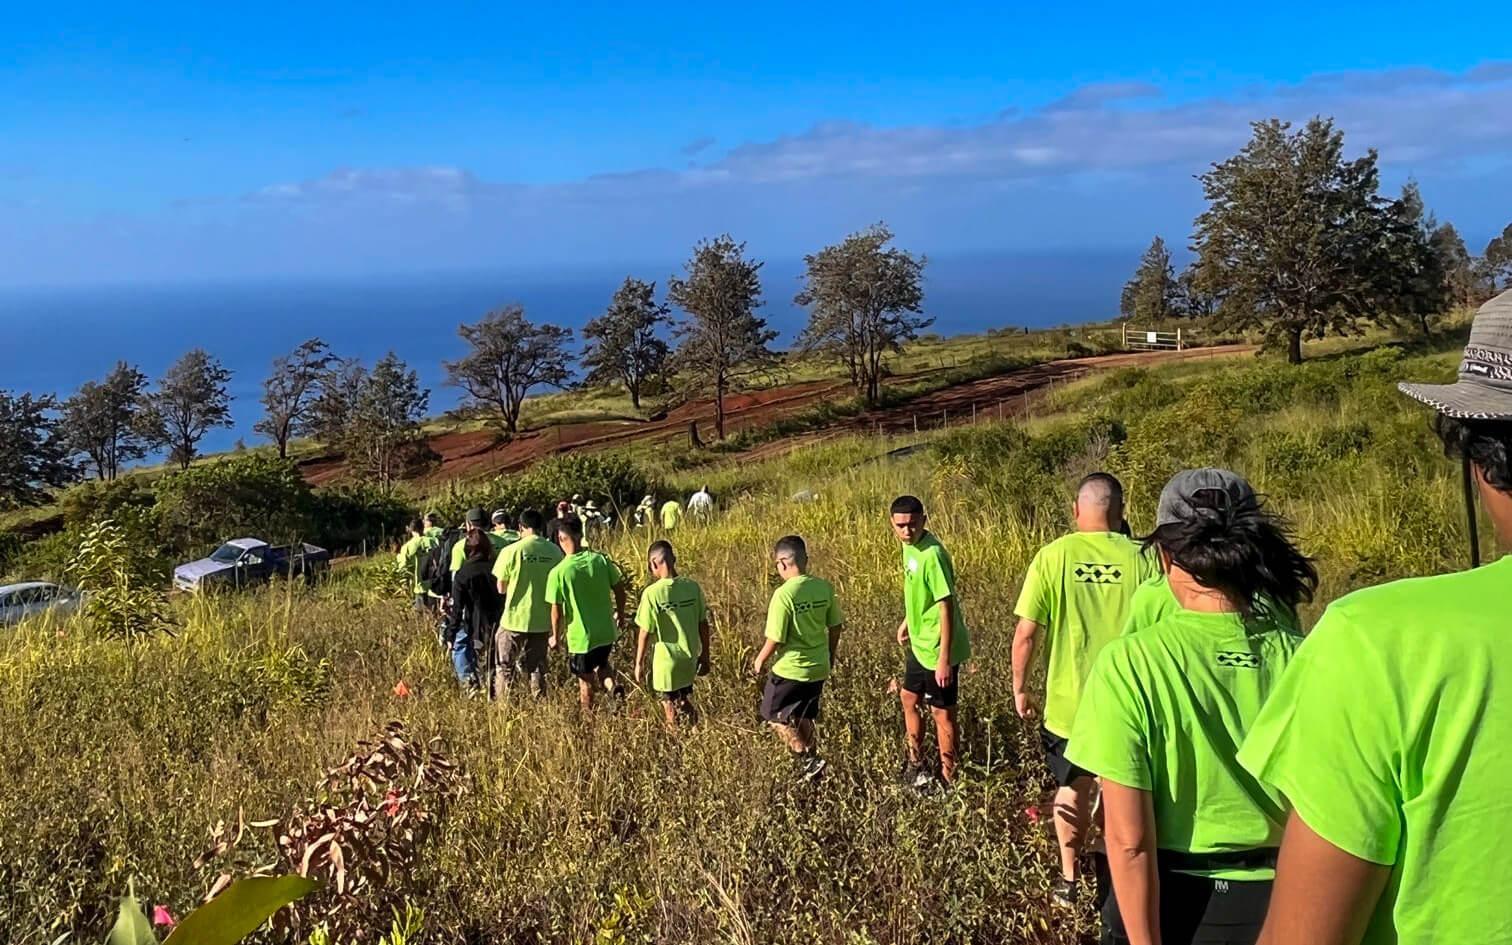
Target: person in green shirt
[(671, 515), (476, 521), (1191, 836), (522, 570), (411, 556), (504, 529), (674, 623), (803, 632), (934, 637), (1076, 597), (433, 526), (1389, 732), (1153, 600), (587, 597)]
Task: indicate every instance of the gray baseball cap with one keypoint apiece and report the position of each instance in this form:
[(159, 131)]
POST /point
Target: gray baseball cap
[(1177, 497), (475, 517), (1484, 388)]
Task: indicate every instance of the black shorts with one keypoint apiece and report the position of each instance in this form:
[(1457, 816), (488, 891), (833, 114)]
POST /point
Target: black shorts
[(675, 694), (1055, 757), (582, 664), (1200, 910), (786, 701), (921, 682)]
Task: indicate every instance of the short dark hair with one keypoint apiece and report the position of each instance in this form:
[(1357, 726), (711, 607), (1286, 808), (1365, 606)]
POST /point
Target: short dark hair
[(416, 525), (907, 505), (572, 525), (1486, 443), (662, 548), (477, 547), (793, 547), (531, 519)]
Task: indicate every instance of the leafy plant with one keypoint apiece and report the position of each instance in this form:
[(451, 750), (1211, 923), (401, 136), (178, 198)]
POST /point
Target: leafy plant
[(228, 918), (121, 597)]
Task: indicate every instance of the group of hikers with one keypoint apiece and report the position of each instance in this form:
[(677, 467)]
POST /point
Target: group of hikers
[(1220, 778)]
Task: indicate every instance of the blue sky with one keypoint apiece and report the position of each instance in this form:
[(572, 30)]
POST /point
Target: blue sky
[(167, 142)]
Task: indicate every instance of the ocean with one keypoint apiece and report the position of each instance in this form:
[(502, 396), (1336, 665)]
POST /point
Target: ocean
[(54, 339)]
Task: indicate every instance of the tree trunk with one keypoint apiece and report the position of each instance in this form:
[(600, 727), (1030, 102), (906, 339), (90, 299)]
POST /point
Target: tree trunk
[(719, 416), (283, 447), (635, 397), (1294, 346)]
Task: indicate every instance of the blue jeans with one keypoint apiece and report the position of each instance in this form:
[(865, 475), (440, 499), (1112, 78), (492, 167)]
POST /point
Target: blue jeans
[(464, 658)]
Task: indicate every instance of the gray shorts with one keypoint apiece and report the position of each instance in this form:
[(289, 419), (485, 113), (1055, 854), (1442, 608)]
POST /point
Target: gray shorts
[(523, 653)]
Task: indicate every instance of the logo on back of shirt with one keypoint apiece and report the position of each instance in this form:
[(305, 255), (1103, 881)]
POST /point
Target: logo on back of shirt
[(1238, 658), (1088, 572)]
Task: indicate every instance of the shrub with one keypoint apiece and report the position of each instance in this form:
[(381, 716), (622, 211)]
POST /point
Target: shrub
[(256, 494), (609, 476), (123, 597)]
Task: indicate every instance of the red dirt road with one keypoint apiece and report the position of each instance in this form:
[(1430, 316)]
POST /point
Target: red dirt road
[(477, 453)]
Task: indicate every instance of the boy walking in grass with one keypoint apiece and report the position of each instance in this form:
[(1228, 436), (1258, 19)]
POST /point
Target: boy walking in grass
[(522, 571), (803, 631), (411, 556), (1075, 600), (933, 633), (587, 597), (672, 615)]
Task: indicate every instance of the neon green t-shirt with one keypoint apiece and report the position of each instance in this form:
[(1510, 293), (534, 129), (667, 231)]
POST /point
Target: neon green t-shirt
[(1389, 736), (509, 535), (459, 550), (1078, 590), (412, 555), (671, 514), (1165, 711), (799, 617), (670, 611), (523, 567), (928, 578), (435, 531), (1154, 601), (582, 584)]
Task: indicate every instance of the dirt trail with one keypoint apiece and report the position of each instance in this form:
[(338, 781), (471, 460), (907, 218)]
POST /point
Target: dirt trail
[(478, 452)]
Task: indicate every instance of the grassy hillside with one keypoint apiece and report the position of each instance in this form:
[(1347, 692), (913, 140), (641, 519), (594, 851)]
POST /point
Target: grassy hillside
[(121, 758)]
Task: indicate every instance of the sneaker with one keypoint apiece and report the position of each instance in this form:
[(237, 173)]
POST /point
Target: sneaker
[(810, 766), (910, 773), (1064, 893)]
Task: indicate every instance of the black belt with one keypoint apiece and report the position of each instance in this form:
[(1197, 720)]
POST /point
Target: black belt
[(1184, 862)]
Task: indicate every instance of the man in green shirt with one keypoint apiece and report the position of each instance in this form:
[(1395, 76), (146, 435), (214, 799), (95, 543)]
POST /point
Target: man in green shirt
[(803, 631), (672, 618), (433, 526), (587, 597), (1076, 593), (1389, 733), (504, 532), (476, 521), (411, 556), (671, 515), (522, 570), (933, 634)]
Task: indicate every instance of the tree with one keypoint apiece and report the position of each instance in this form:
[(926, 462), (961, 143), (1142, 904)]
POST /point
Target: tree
[(33, 456), (1192, 299), (290, 392), (509, 355), (102, 421), (1293, 236), (385, 420), (1498, 260), (190, 401), (1415, 272), (622, 343), (865, 299), (335, 403), (722, 339), (1464, 282), (1151, 295)]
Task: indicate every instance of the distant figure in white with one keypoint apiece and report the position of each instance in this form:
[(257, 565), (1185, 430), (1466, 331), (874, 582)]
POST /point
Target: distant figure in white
[(701, 504)]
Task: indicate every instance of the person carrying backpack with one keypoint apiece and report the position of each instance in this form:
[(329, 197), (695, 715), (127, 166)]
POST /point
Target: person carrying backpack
[(475, 609)]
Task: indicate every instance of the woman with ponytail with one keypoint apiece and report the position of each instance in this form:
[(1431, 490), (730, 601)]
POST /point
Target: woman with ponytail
[(1191, 836)]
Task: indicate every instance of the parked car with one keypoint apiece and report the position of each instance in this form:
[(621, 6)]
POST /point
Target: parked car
[(19, 601), (243, 562)]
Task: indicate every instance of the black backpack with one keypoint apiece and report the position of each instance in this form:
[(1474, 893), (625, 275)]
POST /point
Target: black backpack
[(435, 571)]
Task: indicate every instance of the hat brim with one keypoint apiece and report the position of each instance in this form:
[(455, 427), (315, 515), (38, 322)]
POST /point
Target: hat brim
[(1462, 401)]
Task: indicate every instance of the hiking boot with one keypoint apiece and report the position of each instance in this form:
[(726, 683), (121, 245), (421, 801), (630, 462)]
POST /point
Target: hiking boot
[(1064, 894)]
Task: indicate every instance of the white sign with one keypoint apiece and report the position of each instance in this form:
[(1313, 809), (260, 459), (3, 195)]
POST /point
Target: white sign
[(1150, 336)]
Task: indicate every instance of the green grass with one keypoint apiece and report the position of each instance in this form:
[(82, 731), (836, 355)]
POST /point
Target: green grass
[(121, 758)]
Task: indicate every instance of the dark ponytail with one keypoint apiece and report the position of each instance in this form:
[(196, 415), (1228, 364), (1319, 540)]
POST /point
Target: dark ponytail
[(1241, 549)]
